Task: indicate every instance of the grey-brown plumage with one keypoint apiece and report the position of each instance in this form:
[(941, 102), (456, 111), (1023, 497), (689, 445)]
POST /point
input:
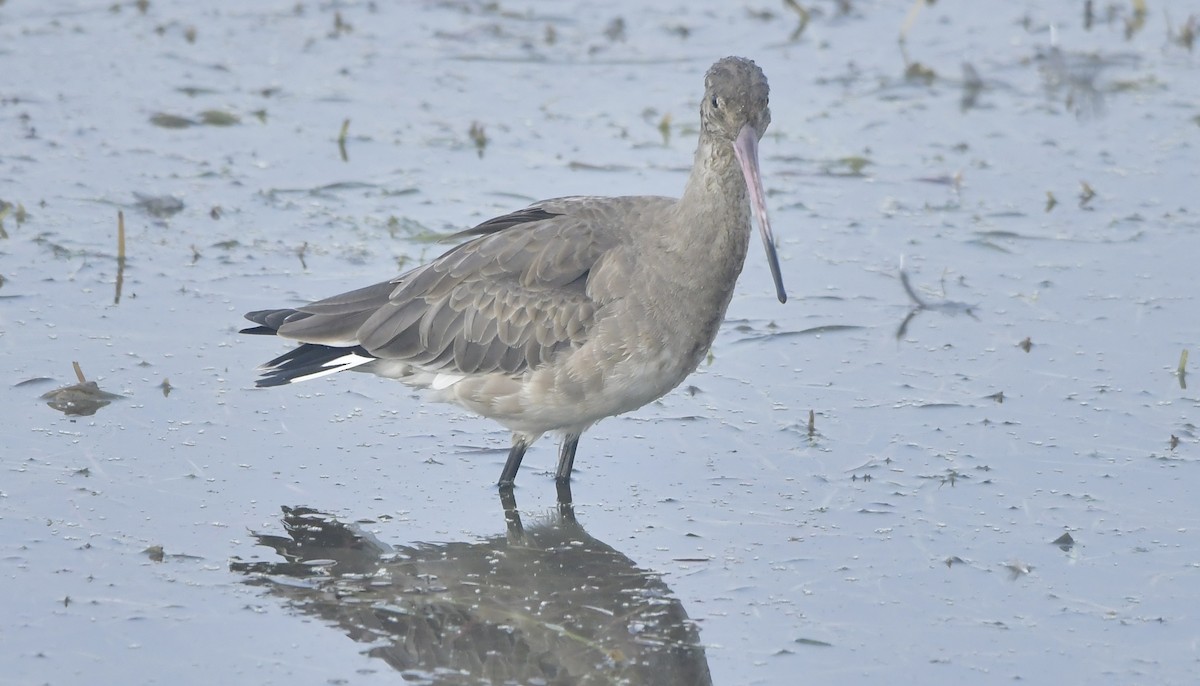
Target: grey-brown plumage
[(570, 310)]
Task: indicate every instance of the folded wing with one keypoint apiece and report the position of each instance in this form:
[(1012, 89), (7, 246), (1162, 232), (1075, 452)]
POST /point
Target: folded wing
[(506, 301)]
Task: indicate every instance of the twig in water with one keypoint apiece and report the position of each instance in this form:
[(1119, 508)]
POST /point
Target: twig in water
[(120, 256), (342, 140)]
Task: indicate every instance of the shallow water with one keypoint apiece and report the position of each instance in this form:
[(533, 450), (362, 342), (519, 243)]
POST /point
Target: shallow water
[(909, 536)]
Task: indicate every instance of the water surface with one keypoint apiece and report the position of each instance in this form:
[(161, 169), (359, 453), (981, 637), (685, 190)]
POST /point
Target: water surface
[(1031, 171)]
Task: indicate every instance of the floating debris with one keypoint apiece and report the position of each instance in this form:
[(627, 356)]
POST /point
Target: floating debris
[(920, 73), (171, 121), (1186, 36), (1026, 344), (1065, 542), (1174, 442), (1181, 370), (664, 127), (478, 137), (166, 120), (33, 381), (1016, 569), (851, 166), (329, 190), (219, 118), (1085, 194), (1051, 201), (79, 400), (166, 387), (1136, 22), (193, 91), (160, 206), (154, 552), (340, 26), (18, 213)]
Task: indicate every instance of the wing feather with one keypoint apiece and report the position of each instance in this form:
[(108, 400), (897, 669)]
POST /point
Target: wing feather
[(510, 299)]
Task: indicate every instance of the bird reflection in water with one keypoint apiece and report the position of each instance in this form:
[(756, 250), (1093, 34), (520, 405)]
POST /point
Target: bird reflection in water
[(546, 603)]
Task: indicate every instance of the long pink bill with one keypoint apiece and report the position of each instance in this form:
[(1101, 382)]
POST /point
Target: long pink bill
[(745, 148)]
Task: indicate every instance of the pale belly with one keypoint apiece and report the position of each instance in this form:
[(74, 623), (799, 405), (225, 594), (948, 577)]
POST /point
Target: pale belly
[(573, 393)]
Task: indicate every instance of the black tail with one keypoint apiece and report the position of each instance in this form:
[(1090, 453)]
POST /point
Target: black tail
[(304, 361), (308, 360)]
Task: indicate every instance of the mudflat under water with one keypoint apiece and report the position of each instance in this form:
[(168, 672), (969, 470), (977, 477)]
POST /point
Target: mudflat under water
[(989, 230)]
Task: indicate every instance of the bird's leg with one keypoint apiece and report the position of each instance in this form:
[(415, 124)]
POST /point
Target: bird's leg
[(566, 458), (515, 455), (566, 506), (512, 517)]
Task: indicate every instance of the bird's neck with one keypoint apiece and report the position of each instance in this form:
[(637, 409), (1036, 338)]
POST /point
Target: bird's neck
[(702, 247), (698, 253), (715, 200)]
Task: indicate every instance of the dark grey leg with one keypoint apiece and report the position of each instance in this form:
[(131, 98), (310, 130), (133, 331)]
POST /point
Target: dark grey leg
[(515, 455), (512, 517), (566, 457), (566, 506)]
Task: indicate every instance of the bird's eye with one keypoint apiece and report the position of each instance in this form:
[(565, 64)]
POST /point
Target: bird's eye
[(716, 103)]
